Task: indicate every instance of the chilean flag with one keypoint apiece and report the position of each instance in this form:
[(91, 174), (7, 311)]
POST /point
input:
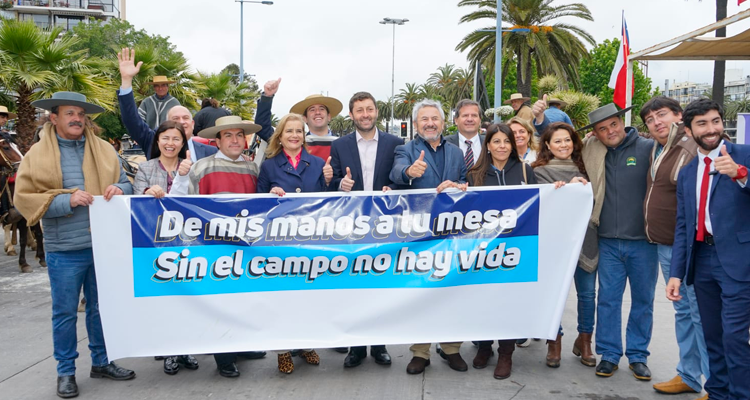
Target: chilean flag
[(739, 2), (618, 79)]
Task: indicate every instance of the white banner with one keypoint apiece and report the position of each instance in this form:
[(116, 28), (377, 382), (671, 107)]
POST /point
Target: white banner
[(216, 274)]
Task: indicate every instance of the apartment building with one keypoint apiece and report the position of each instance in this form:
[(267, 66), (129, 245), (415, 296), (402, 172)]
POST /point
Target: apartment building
[(61, 13)]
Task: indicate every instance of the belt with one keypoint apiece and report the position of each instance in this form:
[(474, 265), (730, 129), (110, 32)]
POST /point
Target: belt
[(708, 239)]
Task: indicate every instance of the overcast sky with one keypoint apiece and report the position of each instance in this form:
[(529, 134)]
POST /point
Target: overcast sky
[(338, 47)]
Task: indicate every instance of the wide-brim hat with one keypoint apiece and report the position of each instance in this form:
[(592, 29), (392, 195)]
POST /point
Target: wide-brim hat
[(68, 99), (604, 113), (516, 96), (334, 106), (4, 110), (557, 101), (229, 122), (159, 80)]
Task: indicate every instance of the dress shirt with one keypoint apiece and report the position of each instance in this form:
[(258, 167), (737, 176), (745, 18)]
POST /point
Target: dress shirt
[(368, 151), (701, 167), (476, 145)]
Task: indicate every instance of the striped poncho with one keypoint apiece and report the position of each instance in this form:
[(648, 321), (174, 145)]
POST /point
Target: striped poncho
[(217, 174)]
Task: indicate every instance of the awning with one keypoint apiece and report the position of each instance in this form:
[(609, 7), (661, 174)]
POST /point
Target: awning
[(707, 48)]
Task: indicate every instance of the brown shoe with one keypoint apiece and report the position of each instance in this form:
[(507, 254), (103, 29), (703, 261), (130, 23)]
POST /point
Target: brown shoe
[(417, 365), (553, 352), (673, 386), (483, 356), (311, 357), (286, 364), (582, 348), (456, 362), (504, 365), (704, 397)]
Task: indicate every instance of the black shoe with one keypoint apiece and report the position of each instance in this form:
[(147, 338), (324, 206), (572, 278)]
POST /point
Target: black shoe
[(67, 387), (606, 369), (381, 356), (159, 358), (252, 355), (641, 371), (342, 350), (171, 366), (229, 370), (112, 371), (354, 358), (188, 361)]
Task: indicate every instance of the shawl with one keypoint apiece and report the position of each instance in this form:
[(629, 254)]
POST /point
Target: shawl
[(40, 179), (594, 155), (565, 170)]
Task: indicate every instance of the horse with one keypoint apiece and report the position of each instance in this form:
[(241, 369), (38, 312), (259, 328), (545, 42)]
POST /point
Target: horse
[(10, 159)]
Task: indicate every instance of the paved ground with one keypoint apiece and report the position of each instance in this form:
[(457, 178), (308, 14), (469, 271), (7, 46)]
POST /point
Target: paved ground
[(27, 368)]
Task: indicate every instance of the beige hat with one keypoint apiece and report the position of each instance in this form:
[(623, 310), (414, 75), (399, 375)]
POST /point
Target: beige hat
[(4, 110), (229, 122), (516, 96), (160, 79), (554, 100), (334, 106)]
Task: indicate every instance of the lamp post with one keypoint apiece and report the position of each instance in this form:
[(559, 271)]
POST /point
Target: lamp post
[(499, 56), (242, 32), (394, 22)]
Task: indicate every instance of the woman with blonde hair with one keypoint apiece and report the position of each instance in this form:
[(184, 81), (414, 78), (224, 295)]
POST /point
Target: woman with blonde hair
[(525, 142)]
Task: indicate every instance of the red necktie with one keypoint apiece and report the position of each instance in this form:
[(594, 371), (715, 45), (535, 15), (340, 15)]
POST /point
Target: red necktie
[(702, 232)]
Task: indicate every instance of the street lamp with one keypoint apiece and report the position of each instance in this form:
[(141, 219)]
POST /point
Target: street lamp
[(394, 22), (499, 56), (242, 32)]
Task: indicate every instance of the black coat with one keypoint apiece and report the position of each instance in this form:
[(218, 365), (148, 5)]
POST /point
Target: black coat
[(511, 174), (206, 118)]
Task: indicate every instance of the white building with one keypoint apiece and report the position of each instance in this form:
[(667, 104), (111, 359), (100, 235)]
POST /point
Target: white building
[(62, 13), (736, 87)]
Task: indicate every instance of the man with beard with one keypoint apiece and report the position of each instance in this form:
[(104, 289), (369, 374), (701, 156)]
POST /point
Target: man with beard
[(362, 160), (429, 161), (711, 247)]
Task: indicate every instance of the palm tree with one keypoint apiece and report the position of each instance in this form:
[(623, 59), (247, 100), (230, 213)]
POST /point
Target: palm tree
[(36, 63), (556, 47), (341, 125), (384, 110), (238, 97), (405, 100)]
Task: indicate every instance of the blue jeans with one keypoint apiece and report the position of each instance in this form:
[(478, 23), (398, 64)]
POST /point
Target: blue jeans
[(688, 329), (68, 272), (621, 261), (586, 292)]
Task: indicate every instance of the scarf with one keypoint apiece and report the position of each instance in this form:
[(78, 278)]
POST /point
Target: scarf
[(594, 155), (39, 177)]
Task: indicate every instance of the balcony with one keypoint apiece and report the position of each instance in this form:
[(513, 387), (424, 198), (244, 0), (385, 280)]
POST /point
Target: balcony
[(84, 7)]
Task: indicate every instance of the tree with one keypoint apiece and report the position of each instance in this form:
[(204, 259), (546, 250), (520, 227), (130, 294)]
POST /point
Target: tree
[(238, 97), (35, 63), (341, 125), (556, 48), (405, 100), (596, 69), (720, 66)]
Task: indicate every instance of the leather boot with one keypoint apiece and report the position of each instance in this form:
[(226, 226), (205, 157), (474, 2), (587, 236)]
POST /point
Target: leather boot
[(484, 352), (504, 358), (553, 352), (582, 348)]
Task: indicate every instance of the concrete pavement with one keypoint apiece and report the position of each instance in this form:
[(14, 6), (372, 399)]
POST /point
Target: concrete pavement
[(27, 368)]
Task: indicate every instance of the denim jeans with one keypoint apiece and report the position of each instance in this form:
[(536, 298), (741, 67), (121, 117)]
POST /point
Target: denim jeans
[(586, 291), (688, 329), (68, 272), (622, 261)]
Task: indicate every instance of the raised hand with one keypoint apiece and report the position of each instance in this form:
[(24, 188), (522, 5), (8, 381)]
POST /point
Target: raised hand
[(185, 164), (347, 182), (128, 68), (538, 109), (417, 169), (271, 87), (328, 171)]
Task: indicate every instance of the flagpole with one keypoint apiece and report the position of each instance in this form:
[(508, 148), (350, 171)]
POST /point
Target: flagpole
[(629, 91)]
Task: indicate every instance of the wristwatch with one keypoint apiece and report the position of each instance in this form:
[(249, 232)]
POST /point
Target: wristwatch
[(741, 173)]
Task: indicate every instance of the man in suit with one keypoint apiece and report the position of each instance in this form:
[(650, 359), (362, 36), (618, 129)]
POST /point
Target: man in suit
[(429, 161), (362, 160), (139, 130), (711, 248), (468, 120)]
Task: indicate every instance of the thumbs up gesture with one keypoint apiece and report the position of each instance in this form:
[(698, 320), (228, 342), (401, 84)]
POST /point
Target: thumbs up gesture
[(417, 169), (347, 182), (185, 164), (538, 109), (328, 171), (725, 165)]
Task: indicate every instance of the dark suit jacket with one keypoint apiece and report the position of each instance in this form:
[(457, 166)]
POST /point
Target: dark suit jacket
[(277, 171), (729, 210), (345, 153), (143, 134), (454, 140), (455, 168)]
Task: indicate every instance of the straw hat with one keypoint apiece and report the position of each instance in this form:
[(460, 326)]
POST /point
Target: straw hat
[(334, 106), (604, 113), (68, 99), (516, 96), (557, 101), (229, 122), (4, 110), (159, 80)]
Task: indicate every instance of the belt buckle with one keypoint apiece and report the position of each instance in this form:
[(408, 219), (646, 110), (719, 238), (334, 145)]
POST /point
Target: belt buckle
[(709, 240)]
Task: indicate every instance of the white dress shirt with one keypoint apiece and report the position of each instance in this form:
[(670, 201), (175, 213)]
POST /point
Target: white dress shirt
[(701, 167), (368, 152), (476, 145)]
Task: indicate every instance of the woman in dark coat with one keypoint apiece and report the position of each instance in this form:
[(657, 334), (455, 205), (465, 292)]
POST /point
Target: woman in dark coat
[(499, 165)]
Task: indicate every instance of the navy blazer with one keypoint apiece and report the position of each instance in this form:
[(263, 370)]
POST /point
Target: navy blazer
[(345, 153), (729, 210), (455, 168), (143, 134), (278, 172)]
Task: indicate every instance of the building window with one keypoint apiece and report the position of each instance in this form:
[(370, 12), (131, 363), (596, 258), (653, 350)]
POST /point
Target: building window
[(67, 22), (41, 20)]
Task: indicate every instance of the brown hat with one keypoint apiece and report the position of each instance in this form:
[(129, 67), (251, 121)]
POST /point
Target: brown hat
[(4, 110), (555, 100), (516, 96), (159, 80), (334, 106), (229, 122)]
